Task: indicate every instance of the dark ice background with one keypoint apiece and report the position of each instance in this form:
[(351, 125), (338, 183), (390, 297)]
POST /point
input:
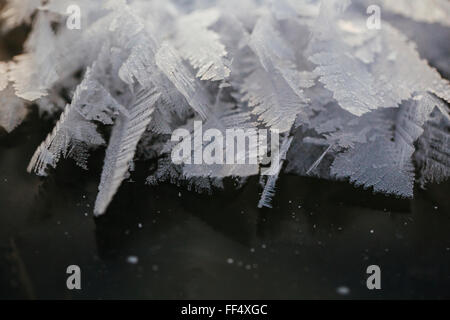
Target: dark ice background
[(316, 242)]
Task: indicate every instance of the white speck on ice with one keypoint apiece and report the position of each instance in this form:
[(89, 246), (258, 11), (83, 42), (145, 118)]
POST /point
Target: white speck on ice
[(263, 246), (371, 231), (155, 267), (132, 259), (140, 225), (179, 194), (230, 261), (343, 290)]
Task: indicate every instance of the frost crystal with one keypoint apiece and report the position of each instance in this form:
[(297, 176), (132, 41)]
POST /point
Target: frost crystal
[(349, 101), (421, 10), (13, 110), (204, 50), (125, 135)]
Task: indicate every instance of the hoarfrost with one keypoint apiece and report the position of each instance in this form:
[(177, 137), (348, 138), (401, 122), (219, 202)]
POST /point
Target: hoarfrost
[(350, 103)]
